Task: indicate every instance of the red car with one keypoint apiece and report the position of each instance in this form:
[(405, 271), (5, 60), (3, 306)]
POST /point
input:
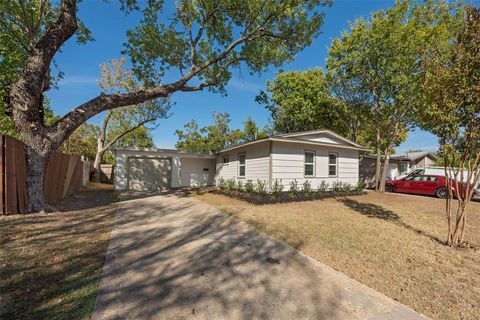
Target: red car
[(420, 184)]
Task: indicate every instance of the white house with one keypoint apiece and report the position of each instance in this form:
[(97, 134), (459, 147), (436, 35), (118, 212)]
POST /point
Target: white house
[(317, 155)]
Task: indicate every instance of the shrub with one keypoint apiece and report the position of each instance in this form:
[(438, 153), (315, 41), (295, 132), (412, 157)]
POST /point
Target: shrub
[(249, 186), (239, 186), (347, 187), (261, 188), (323, 187), (222, 184), (360, 186), (277, 188), (293, 192), (337, 186), (307, 188), (231, 184)]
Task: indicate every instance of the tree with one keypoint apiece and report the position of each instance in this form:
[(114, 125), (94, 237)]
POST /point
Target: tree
[(251, 132), (378, 60), (218, 136), (451, 110), (210, 138), (203, 40), (120, 122), (301, 100)]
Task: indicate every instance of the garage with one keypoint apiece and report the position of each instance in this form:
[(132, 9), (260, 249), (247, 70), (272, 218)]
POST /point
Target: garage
[(149, 174), (162, 169)]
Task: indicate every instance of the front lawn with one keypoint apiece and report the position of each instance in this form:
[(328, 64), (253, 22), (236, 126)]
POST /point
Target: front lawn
[(390, 242), (50, 264)]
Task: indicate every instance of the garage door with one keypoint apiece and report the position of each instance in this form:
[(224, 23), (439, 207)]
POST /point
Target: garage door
[(149, 174)]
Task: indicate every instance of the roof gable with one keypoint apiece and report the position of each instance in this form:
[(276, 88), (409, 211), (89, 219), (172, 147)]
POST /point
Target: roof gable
[(322, 136)]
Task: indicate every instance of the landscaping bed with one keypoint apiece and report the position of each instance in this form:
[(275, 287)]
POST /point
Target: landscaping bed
[(255, 192)]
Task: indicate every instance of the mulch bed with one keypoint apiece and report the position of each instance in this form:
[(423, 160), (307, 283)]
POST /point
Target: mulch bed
[(284, 197)]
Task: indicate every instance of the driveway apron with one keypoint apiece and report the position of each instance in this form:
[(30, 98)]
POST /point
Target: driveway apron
[(174, 257)]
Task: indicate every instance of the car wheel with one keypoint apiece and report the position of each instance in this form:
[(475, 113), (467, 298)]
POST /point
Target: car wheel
[(441, 193), (389, 188)]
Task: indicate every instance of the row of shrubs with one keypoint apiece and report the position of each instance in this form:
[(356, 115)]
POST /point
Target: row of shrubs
[(260, 188)]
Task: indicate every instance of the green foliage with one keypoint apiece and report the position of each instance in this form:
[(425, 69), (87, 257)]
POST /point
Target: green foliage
[(249, 186), (82, 142), (307, 188), (222, 184), (360, 186), (323, 187), (301, 100), (293, 190), (240, 187), (21, 25), (337, 186), (211, 37), (231, 184), (216, 137), (277, 188), (261, 188), (375, 66)]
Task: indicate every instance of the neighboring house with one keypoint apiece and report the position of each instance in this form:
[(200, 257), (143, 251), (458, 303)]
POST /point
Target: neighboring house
[(400, 165), (318, 155)]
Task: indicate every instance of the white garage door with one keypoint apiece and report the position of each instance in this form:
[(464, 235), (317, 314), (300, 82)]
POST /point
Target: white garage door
[(149, 174)]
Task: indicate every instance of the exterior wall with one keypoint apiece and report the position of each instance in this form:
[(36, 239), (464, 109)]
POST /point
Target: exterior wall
[(288, 164), (121, 167), (367, 170), (257, 163), (196, 172), (424, 162)]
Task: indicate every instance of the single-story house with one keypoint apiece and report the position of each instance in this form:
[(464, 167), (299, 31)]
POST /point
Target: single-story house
[(399, 165), (317, 155)]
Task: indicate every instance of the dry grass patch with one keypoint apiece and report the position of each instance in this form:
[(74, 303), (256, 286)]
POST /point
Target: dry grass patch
[(390, 242), (51, 263)]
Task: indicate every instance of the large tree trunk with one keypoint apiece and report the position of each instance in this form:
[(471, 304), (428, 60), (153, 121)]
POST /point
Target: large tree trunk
[(36, 169)]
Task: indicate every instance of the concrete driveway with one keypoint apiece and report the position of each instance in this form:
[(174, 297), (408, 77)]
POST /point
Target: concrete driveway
[(172, 257)]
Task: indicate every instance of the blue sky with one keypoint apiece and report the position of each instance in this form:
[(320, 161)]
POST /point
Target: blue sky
[(108, 25)]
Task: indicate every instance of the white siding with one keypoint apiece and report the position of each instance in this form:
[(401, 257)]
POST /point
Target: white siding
[(257, 163), (185, 169), (288, 164), (196, 172)]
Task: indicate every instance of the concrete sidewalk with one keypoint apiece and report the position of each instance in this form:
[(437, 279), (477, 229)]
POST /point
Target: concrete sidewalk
[(172, 257)]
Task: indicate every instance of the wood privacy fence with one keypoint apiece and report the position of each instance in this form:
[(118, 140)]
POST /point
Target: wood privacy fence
[(65, 175)]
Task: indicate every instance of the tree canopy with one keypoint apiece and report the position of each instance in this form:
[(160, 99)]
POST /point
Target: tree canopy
[(301, 100), (217, 136)]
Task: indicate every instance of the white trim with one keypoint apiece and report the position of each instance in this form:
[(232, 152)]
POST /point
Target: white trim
[(336, 164), (240, 165), (312, 164)]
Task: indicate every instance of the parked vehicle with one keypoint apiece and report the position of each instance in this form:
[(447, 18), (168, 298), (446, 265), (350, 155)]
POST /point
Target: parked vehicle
[(439, 171), (433, 185)]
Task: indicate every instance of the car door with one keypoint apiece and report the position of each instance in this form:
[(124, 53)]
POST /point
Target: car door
[(429, 185), (411, 185)]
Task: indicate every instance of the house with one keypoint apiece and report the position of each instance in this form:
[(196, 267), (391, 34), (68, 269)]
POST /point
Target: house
[(399, 165), (317, 155)]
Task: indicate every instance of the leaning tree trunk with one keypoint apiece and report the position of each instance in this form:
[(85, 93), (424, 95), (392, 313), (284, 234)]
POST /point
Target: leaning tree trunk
[(97, 165)]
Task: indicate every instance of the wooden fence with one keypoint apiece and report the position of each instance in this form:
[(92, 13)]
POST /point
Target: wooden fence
[(65, 175)]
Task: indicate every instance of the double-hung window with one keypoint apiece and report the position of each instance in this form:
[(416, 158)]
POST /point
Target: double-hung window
[(241, 165), (332, 165), (309, 169), (225, 159)]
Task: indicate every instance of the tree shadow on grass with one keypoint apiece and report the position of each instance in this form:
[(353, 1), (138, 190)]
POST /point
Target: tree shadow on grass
[(375, 211)]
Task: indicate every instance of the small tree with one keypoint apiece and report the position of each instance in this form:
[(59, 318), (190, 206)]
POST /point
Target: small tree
[(451, 110)]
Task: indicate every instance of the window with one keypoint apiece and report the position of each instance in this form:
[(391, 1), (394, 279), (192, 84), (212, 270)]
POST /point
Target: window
[(226, 160), (332, 164), (309, 163), (241, 165)]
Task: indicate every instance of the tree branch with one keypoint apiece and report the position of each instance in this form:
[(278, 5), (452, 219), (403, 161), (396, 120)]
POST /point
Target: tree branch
[(121, 135)]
